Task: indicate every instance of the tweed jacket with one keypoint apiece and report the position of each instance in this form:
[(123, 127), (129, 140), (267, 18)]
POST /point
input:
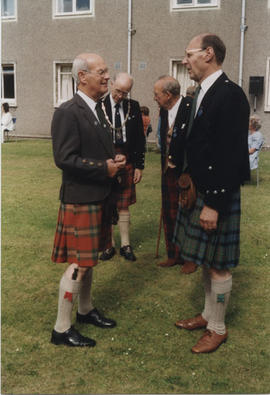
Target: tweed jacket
[(176, 148), (135, 145), (81, 146), (217, 146)]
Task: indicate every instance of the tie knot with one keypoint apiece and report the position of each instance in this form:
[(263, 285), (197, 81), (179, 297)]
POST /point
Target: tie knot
[(117, 106), (98, 105)]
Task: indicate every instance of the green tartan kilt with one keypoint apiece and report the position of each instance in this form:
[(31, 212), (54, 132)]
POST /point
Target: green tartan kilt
[(219, 249)]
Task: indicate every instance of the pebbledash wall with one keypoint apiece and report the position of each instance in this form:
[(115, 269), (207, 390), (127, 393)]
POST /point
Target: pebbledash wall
[(40, 38)]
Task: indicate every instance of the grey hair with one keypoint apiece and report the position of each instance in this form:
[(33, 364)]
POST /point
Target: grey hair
[(78, 65), (255, 122), (171, 85)]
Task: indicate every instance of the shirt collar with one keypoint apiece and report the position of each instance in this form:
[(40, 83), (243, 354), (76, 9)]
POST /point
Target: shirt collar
[(89, 101), (173, 111), (209, 81)]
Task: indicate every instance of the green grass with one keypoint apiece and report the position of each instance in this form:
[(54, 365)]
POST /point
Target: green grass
[(145, 353)]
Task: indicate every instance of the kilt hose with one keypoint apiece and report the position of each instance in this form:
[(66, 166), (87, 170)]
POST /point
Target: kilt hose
[(170, 195), (219, 249), (80, 234)]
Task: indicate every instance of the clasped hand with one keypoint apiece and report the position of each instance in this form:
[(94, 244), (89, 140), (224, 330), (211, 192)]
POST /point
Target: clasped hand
[(208, 219), (116, 164)]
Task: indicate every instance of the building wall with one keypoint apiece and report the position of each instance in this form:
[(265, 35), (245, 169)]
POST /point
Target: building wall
[(36, 40)]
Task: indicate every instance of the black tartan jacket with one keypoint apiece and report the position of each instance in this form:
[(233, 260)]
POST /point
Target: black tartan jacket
[(217, 147), (81, 147), (176, 149), (135, 145)]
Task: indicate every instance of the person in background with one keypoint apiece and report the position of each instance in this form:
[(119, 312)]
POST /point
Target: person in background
[(125, 118), (255, 141), (147, 128), (191, 91), (174, 115), (6, 119)]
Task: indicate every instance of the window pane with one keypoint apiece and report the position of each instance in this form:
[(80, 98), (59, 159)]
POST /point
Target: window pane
[(82, 5), (204, 1), (184, 1), (64, 6), (9, 92), (8, 8)]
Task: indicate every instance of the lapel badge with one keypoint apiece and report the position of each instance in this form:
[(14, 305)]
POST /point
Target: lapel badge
[(183, 126)]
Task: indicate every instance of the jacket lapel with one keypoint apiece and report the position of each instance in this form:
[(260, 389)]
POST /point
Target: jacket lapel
[(104, 134)]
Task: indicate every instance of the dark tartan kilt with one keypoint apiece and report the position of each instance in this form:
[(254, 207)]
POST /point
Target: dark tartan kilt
[(219, 249), (127, 194), (170, 196), (80, 234)]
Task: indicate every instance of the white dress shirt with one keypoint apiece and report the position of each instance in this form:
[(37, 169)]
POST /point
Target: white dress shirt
[(90, 102), (205, 85), (173, 112)]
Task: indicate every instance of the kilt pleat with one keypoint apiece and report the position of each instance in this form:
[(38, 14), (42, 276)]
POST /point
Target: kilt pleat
[(219, 249), (170, 196), (80, 234), (127, 194)]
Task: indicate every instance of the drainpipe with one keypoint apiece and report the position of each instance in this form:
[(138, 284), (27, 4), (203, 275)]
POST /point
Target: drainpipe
[(129, 35), (243, 28)]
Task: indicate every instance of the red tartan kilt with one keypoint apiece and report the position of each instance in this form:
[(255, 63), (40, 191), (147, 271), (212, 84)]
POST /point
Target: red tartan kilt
[(127, 195), (80, 234)]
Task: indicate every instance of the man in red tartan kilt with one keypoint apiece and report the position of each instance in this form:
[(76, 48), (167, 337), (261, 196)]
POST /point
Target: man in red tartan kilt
[(125, 118), (207, 232), (174, 116), (83, 150)]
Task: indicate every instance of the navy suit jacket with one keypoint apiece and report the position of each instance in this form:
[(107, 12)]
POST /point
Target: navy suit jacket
[(217, 147), (135, 145), (176, 149), (81, 146)]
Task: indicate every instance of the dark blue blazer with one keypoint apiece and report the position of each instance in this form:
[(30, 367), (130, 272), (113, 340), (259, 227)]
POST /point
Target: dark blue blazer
[(217, 147)]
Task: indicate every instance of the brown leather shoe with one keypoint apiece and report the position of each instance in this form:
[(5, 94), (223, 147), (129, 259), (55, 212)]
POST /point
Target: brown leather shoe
[(192, 323), (209, 342), (169, 262), (189, 267)]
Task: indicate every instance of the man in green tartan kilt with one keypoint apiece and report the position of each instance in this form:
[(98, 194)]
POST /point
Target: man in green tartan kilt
[(216, 158)]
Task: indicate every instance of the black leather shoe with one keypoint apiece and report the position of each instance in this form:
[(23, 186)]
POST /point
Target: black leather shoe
[(71, 338), (107, 254), (127, 253), (95, 318)]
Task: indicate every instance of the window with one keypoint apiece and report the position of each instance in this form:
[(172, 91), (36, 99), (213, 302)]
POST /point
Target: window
[(179, 5), (73, 8), (179, 72), (267, 87), (8, 84), (8, 9), (65, 86)]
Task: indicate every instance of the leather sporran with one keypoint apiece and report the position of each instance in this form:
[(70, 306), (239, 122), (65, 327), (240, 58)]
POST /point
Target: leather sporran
[(188, 194)]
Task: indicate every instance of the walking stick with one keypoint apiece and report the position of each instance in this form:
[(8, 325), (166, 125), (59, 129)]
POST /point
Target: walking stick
[(159, 233)]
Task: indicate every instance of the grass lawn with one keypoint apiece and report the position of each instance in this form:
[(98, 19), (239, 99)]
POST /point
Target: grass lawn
[(145, 353)]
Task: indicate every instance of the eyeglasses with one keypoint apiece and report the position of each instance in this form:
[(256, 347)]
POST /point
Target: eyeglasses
[(190, 52), (121, 93), (100, 72)]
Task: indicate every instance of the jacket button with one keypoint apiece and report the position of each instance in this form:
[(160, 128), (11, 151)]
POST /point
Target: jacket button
[(91, 163), (207, 191), (215, 192), (222, 190), (210, 168), (99, 164)]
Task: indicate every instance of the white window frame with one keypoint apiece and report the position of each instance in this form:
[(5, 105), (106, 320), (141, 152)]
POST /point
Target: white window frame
[(267, 87), (56, 78), (194, 6), (10, 18), (190, 82), (11, 101), (73, 14)]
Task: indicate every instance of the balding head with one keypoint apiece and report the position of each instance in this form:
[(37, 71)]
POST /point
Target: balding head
[(91, 74), (166, 91), (121, 86)]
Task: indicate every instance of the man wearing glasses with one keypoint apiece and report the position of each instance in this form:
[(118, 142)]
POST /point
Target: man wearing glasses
[(208, 232), (83, 150), (125, 119)]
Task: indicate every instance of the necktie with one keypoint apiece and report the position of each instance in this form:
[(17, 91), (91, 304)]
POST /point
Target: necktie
[(191, 119), (101, 115), (117, 125)]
